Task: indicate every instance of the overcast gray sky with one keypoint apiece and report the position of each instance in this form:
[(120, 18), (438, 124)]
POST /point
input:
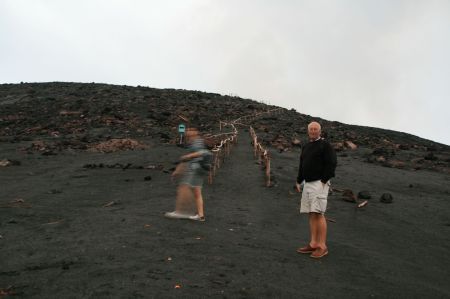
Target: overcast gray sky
[(381, 63)]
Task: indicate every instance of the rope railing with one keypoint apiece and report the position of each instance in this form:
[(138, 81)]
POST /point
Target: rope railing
[(258, 149), (262, 154), (222, 149)]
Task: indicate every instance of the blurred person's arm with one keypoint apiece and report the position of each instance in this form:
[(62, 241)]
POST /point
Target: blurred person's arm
[(191, 156), (179, 169)]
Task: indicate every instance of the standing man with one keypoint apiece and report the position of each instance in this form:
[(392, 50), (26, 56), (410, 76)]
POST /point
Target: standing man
[(317, 166)]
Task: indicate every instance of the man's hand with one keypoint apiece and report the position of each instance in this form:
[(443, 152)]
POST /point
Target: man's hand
[(298, 187)]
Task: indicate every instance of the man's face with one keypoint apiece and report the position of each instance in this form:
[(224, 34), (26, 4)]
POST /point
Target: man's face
[(313, 131)]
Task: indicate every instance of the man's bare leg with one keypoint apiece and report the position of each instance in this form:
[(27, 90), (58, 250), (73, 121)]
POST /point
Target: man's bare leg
[(322, 231), (313, 230)]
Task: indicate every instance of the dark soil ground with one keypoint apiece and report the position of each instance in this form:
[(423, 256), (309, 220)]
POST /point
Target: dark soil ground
[(72, 230)]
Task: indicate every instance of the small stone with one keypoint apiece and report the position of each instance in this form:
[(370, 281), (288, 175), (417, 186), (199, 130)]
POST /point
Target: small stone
[(296, 142), (348, 195), (386, 198), (54, 191), (338, 146), (350, 145), (381, 159), (364, 195)]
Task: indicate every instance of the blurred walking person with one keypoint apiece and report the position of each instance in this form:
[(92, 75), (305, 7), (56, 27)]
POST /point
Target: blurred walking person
[(191, 170)]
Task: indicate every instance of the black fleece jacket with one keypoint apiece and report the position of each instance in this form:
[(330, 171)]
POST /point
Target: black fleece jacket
[(317, 162)]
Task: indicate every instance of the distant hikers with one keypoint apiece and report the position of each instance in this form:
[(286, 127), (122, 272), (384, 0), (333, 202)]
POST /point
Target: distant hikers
[(192, 169), (317, 167)]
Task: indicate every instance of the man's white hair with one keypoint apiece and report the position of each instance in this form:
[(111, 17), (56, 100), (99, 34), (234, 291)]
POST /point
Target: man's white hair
[(315, 123)]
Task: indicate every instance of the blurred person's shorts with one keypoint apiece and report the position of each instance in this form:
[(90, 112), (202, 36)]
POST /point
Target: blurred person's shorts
[(193, 175)]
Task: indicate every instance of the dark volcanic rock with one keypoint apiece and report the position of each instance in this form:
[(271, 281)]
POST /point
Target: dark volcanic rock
[(60, 116), (349, 196), (430, 156), (364, 195), (62, 217), (386, 198), (381, 151)]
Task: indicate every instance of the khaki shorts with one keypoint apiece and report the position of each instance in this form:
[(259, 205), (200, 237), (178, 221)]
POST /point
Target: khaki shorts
[(314, 197)]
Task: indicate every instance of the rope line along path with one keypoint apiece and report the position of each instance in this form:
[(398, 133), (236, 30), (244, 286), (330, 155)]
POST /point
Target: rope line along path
[(262, 154), (223, 147)]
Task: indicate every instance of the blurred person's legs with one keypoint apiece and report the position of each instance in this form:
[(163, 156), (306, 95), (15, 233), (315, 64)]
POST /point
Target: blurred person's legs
[(198, 200), (184, 202)]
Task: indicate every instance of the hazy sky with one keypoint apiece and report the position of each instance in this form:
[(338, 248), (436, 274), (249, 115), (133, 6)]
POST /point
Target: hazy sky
[(381, 63)]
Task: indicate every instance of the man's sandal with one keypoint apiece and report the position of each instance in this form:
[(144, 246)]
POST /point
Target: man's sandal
[(306, 249), (318, 253)]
